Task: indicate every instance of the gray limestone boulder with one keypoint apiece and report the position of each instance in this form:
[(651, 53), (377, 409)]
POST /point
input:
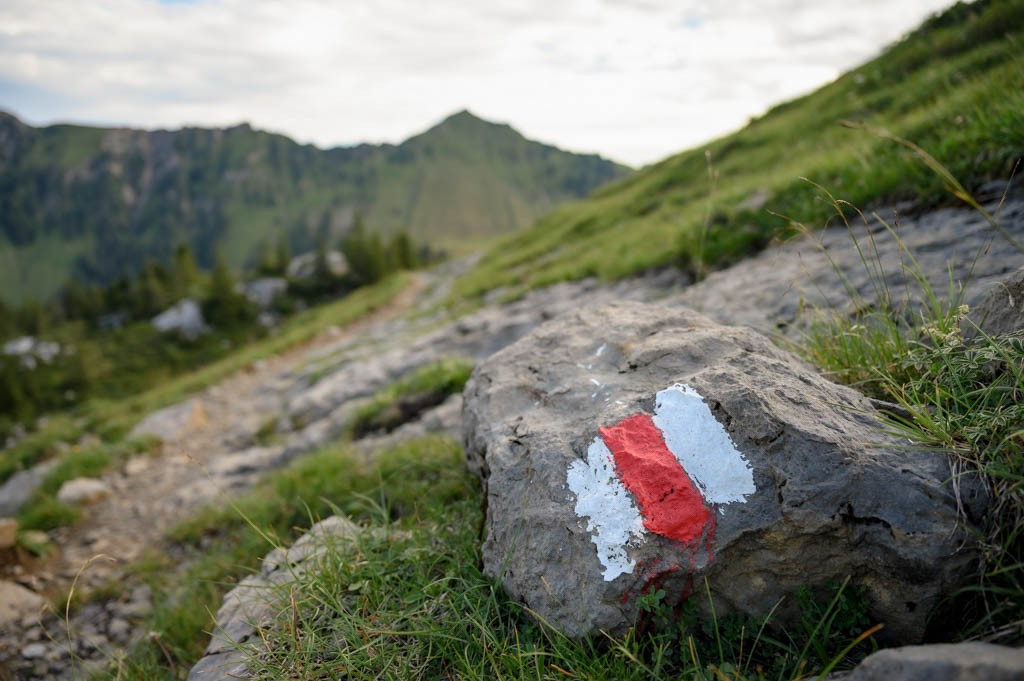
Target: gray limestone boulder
[(973, 661), (630, 447)]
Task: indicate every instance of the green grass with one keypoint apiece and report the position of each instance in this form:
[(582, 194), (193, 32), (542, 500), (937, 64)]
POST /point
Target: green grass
[(112, 419), (44, 512), (966, 109), (408, 600), (954, 389), (405, 399)]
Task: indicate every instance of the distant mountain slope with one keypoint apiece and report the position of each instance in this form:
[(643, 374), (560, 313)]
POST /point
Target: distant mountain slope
[(96, 202), (955, 87)]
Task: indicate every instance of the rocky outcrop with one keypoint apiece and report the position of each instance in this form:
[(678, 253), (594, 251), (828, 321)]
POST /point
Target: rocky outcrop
[(249, 607), (629, 447)]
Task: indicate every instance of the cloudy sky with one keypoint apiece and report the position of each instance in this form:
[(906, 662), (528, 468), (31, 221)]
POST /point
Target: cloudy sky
[(634, 80)]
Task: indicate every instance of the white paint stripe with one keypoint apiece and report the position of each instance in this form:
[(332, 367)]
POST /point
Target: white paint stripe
[(613, 516), (703, 448)]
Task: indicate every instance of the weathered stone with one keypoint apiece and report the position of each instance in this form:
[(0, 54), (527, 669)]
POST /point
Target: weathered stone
[(8, 532), (16, 603), (82, 491), (262, 292), (18, 489), (34, 651), (172, 422), (1001, 311), (971, 661), (185, 317), (304, 266), (249, 606), (795, 481)]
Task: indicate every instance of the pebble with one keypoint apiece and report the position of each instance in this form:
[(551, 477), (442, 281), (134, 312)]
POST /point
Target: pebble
[(34, 651), (118, 629)]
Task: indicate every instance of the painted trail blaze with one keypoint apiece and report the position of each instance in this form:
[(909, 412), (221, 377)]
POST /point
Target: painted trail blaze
[(662, 474), (670, 504)]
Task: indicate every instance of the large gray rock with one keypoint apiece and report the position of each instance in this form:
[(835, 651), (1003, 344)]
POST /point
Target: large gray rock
[(945, 662), (795, 482)]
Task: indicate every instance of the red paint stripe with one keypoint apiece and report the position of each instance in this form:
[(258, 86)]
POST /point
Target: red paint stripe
[(669, 502)]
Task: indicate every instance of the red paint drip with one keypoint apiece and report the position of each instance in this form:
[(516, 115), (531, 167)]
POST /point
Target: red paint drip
[(669, 502)]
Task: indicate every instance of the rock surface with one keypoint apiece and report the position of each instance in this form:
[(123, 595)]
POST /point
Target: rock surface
[(18, 605), (249, 607), (788, 479), (942, 662), (18, 489), (184, 317), (1001, 311), (8, 532), (82, 491), (172, 422)]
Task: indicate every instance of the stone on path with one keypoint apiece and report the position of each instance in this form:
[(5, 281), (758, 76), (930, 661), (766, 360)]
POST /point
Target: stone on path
[(172, 422), (971, 661), (16, 603), (8, 532), (630, 447), (80, 491)]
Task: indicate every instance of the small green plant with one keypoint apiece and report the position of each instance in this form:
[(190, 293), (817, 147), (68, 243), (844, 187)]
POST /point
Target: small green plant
[(44, 512), (404, 400), (267, 433), (960, 393)]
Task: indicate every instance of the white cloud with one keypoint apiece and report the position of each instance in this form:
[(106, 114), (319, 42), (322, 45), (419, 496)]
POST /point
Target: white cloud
[(633, 80)]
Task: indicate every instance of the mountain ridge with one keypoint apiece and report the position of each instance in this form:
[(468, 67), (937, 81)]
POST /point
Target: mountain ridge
[(96, 202)]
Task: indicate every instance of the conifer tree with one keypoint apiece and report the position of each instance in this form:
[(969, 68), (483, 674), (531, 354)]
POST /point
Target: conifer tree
[(184, 272)]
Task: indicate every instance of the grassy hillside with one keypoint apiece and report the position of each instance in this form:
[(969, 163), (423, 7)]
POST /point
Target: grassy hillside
[(955, 87), (95, 203)]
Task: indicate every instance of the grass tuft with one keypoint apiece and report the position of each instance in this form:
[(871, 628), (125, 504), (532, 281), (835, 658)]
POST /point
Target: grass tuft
[(961, 394)]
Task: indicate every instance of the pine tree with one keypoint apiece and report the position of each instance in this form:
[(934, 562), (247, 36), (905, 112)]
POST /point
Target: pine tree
[(224, 306), (365, 253), (403, 253), (184, 272)]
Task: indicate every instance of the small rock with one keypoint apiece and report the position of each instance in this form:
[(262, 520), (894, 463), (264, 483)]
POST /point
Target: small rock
[(16, 603), (82, 491), (1001, 311), (18, 489), (34, 651), (8, 532), (118, 629), (137, 465), (972, 661), (172, 422)]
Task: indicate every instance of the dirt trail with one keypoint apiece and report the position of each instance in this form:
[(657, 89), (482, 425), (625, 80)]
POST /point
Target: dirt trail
[(145, 500)]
